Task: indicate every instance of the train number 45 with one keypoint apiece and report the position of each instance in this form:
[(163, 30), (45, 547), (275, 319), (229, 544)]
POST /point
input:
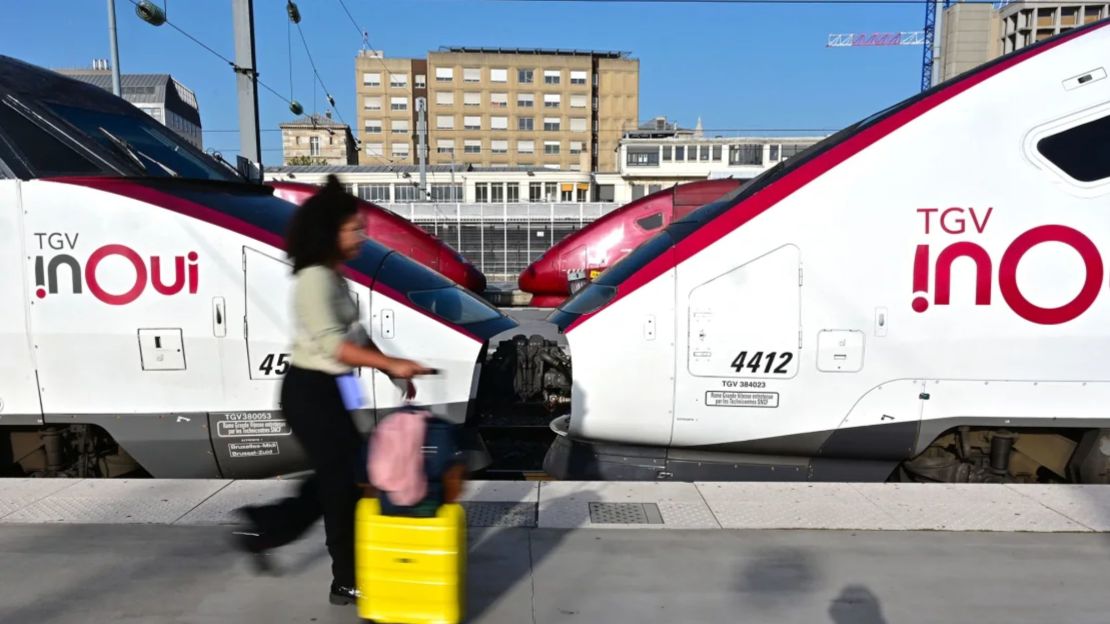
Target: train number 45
[(766, 361), (269, 368)]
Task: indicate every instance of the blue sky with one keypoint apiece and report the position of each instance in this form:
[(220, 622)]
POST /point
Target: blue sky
[(733, 65)]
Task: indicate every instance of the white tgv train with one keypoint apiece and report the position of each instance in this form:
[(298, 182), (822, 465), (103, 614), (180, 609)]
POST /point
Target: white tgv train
[(145, 299), (925, 290)]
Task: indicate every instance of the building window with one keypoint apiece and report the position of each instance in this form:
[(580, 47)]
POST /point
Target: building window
[(373, 126), (774, 155), (374, 149), (497, 192), (716, 153), (472, 146), (472, 74), (398, 103), (551, 100), (472, 99), (499, 123), (445, 122), (578, 77), (499, 147), (789, 151), (525, 100), (691, 153), (499, 100), (679, 153), (472, 122), (550, 147), (525, 123), (526, 147), (372, 79), (550, 191), (578, 101), (400, 150), (535, 191), (643, 157), (374, 192), (481, 192), (498, 75), (314, 144), (578, 125), (398, 81), (551, 124), (667, 153), (703, 153), (750, 154), (372, 103), (583, 192), (406, 193), (576, 147), (447, 192), (568, 193), (445, 146), (525, 76), (551, 76), (421, 81), (445, 98), (399, 126), (445, 74)]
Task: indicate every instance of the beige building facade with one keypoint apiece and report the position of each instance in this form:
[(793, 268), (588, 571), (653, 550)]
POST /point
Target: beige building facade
[(317, 140), (972, 34), (486, 107)]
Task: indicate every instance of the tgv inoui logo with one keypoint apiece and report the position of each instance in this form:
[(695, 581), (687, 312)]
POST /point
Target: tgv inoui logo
[(137, 273), (955, 221)]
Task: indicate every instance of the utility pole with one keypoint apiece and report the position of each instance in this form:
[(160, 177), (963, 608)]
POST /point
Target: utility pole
[(246, 79), (422, 144), (114, 46)]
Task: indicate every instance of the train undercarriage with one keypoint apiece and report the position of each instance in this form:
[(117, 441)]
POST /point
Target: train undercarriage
[(526, 383)]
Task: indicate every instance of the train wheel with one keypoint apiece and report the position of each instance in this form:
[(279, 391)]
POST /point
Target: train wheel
[(1091, 461)]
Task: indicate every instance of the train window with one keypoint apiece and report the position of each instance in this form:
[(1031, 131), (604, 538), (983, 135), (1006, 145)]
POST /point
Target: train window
[(145, 142), (40, 151), (651, 222), (454, 305), (1082, 152)]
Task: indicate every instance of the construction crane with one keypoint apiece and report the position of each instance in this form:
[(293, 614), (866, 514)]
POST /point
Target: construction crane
[(924, 37)]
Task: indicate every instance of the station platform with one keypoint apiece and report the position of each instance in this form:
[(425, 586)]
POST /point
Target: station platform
[(570, 552)]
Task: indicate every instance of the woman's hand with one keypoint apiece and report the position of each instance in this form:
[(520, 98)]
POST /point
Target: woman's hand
[(400, 368)]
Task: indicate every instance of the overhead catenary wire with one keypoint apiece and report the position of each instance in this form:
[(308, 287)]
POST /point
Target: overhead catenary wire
[(764, 2), (225, 59)]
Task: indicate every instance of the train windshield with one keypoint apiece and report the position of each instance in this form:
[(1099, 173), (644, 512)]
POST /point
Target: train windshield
[(435, 294), (144, 142), (455, 305)]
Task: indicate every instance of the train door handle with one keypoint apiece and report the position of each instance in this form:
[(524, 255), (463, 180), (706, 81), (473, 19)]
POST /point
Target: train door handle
[(387, 324), (219, 317)]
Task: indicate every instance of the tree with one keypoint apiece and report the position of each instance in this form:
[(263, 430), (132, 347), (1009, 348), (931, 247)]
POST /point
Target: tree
[(305, 160)]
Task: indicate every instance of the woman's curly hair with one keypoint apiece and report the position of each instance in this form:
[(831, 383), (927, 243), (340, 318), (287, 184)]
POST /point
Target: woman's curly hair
[(313, 234)]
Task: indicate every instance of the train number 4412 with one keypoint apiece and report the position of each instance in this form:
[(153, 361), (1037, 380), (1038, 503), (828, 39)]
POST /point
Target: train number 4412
[(760, 362)]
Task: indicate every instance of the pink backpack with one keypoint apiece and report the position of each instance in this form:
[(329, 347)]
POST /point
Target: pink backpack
[(396, 463)]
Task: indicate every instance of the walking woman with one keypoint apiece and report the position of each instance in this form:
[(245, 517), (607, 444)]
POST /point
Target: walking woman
[(329, 342)]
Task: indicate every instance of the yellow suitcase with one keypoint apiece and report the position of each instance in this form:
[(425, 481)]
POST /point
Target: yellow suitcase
[(410, 570)]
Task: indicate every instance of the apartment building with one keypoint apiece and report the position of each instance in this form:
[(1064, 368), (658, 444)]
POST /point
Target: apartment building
[(495, 107), (972, 34)]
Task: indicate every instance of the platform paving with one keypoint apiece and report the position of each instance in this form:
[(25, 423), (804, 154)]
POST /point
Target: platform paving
[(604, 505)]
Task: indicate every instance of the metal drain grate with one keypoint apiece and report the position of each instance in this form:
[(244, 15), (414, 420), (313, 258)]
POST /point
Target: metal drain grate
[(500, 514), (625, 513)]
